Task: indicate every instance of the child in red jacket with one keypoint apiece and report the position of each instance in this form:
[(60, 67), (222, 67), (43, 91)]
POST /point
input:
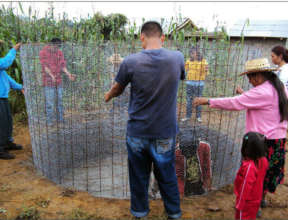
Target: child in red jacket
[(248, 185)]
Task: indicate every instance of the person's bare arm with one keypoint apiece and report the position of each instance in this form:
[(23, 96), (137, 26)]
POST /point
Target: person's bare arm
[(239, 90), (200, 101), (48, 71), (71, 76), (17, 46), (115, 91)]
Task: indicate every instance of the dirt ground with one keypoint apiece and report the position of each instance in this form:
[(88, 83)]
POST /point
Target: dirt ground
[(24, 193)]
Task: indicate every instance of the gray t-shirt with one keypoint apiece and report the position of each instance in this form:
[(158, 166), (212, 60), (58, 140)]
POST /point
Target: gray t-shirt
[(154, 76)]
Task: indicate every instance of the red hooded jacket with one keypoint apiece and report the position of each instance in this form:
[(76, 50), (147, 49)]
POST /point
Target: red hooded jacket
[(248, 185)]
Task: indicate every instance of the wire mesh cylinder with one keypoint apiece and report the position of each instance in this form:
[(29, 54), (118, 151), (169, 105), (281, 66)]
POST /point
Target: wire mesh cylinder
[(78, 140)]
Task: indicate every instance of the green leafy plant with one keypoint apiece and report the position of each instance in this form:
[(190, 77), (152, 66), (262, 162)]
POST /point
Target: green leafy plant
[(3, 211), (4, 188), (79, 214), (42, 202), (96, 30), (29, 213)]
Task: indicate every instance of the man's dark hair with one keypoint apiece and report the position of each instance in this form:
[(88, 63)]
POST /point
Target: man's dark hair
[(253, 146), (56, 40), (152, 29)]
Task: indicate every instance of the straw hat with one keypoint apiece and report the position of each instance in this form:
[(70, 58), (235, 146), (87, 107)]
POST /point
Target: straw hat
[(257, 65)]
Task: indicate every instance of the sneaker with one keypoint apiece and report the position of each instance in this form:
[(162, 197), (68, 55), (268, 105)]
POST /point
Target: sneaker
[(199, 120), (263, 204), (5, 155), (185, 119), (259, 214), (13, 146), (152, 195)]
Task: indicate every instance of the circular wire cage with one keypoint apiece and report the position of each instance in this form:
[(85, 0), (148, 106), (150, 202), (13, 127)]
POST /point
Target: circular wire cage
[(78, 140)]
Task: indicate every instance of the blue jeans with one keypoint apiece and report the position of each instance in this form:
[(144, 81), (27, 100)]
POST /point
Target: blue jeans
[(191, 93), (142, 152), (53, 97)]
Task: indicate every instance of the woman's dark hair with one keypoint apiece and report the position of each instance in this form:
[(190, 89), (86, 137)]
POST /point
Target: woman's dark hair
[(253, 146), (280, 50), (198, 53), (282, 97)]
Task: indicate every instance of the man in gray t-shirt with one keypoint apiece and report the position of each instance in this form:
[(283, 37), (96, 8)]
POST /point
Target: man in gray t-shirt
[(154, 74)]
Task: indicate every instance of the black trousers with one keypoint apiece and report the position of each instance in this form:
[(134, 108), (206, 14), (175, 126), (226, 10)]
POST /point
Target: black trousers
[(6, 123)]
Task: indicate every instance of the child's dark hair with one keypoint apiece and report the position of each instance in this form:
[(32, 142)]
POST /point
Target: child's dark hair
[(152, 29), (197, 51), (253, 146)]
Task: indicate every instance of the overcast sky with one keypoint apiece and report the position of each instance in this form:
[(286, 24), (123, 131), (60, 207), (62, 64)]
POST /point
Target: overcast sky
[(204, 14)]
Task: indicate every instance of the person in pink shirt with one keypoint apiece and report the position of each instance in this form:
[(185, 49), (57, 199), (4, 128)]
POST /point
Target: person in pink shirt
[(266, 108), (53, 66)]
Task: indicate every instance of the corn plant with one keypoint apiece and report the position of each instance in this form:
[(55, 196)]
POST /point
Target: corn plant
[(28, 27)]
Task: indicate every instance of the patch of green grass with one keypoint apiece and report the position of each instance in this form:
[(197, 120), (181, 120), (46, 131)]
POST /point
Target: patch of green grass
[(42, 202), (79, 214), (4, 188), (3, 211), (21, 117), (28, 213)]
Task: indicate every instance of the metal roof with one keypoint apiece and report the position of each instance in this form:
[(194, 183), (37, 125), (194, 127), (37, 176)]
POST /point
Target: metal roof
[(260, 28)]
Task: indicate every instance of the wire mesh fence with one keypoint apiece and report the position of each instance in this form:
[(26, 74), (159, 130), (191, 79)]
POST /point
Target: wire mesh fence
[(78, 140)]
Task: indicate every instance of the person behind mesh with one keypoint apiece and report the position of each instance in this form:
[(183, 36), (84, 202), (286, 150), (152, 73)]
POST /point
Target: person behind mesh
[(53, 64), (193, 168), (6, 123), (121, 102), (248, 184), (197, 70)]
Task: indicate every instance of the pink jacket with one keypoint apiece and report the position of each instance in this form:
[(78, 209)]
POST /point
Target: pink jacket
[(262, 116), (248, 184)]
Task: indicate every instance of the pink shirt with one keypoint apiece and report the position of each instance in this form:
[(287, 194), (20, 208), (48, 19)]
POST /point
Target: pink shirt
[(55, 61), (262, 116)]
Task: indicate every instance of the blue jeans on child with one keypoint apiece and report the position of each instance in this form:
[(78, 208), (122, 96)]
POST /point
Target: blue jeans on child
[(53, 97), (142, 152), (193, 91)]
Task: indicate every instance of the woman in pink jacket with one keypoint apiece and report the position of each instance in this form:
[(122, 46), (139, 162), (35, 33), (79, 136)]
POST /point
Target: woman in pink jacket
[(266, 108)]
